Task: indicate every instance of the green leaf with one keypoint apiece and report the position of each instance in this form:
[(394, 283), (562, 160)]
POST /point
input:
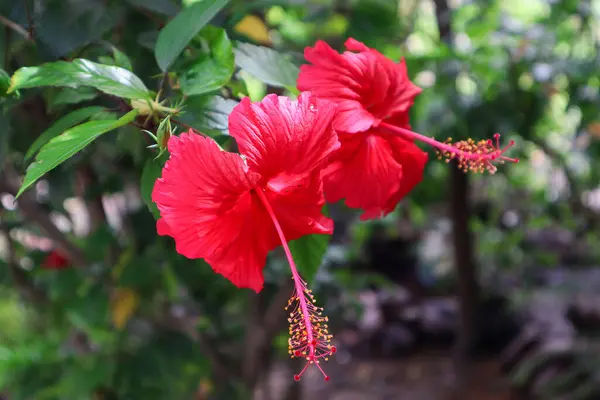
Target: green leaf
[(4, 82), (210, 71), (166, 7), (208, 114), (62, 125), (151, 172), (62, 147), (80, 72), (121, 60), (173, 38), (267, 65), (64, 26), (64, 96), (86, 375), (308, 253)]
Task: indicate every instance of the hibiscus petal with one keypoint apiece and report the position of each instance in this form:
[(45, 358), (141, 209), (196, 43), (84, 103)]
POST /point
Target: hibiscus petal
[(243, 259), (206, 205), (368, 86), (353, 118), (162, 228), (413, 161), (244, 270), (397, 94), (364, 172), (299, 208), (281, 137)]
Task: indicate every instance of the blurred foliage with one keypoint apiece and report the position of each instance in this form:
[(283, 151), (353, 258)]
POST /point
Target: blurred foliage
[(135, 319)]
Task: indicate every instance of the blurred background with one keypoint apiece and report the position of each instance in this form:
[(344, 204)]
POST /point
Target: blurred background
[(476, 287)]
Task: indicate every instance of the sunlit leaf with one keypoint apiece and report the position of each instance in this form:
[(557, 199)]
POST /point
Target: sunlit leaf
[(254, 28), (124, 302), (210, 71), (63, 147), (121, 60), (80, 72), (266, 65), (173, 38), (62, 125)]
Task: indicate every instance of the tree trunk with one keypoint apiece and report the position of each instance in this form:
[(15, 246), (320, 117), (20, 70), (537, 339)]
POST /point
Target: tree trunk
[(466, 273), (460, 212)]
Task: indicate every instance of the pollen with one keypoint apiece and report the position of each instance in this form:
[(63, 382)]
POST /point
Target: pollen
[(476, 157), (309, 331)]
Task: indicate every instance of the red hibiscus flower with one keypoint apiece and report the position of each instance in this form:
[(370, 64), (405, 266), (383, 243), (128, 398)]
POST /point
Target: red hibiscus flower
[(378, 162), (367, 86), (232, 210), (55, 260)]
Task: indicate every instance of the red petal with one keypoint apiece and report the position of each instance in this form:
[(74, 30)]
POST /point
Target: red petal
[(373, 172), (352, 117), (299, 208), (413, 161), (364, 172), (251, 237), (283, 139), (206, 205), (354, 45), (162, 228), (368, 86)]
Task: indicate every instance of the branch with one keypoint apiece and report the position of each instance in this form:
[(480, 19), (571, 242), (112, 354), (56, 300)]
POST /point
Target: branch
[(442, 15), (464, 262), (10, 182), (30, 30), (15, 27)]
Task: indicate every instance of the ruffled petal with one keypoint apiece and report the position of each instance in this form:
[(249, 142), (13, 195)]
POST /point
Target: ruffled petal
[(207, 206), (368, 86), (394, 93), (364, 172), (299, 208), (162, 228), (243, 259), (284, 139), (353, 118), (413, 160)]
